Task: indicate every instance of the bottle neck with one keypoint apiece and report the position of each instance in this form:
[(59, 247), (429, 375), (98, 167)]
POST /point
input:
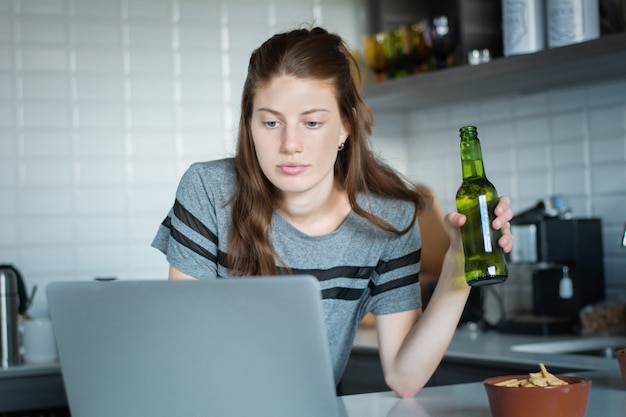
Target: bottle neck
[(471, 158)]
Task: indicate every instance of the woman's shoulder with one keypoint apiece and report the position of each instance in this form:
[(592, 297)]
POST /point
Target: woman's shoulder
[(215, 177), (215, 172), (222, 168), (394, 211)]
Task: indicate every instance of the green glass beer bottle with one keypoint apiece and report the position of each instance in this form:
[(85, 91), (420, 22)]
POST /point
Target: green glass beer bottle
[(477, 199)]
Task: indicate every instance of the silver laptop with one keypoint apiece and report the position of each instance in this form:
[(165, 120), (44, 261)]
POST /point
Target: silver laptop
[(228, 347)]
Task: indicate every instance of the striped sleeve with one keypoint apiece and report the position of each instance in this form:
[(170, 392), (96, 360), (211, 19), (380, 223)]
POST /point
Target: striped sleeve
[(188, 235)]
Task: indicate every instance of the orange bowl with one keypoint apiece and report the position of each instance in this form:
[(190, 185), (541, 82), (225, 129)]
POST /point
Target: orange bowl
[(556, 401), (620, 354)]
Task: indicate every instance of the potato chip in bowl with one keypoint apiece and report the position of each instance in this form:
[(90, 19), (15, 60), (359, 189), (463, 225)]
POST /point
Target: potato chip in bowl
[(537, 394)]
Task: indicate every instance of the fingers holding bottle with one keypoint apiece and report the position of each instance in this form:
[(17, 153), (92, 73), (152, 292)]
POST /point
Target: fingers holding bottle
[(504, 214)]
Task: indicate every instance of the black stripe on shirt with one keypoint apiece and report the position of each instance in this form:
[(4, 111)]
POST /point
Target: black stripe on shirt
[(339, 293), (167, 222), (342, 293), (351, 294), (191, 245), (193, 223), (353, 272), (393, 284), (360, 272), (401, 262), (356, 272)]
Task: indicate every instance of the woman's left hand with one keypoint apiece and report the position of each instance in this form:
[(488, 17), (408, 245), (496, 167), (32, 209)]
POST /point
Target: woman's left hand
[(504, 214)]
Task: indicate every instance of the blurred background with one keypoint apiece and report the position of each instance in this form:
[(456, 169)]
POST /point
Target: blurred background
[(105, 103)]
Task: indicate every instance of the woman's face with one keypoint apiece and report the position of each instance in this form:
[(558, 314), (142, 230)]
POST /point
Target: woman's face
[(296, 129)]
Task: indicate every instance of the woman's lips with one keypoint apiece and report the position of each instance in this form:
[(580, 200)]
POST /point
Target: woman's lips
[(292, 169)]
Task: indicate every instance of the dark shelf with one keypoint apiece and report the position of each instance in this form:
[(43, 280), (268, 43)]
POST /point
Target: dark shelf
[(596, 60)]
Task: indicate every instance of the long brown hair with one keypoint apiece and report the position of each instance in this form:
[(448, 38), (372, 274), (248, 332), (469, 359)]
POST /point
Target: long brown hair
[(308, 54)]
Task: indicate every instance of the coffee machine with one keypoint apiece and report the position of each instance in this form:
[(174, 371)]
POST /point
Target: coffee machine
[(562, 260)]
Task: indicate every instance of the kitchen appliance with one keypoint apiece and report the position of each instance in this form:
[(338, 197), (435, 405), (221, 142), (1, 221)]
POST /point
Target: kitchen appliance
[(564, 263), (12, 304)]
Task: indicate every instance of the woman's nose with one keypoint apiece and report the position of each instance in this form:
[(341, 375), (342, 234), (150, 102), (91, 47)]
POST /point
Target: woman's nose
[(291, 142)]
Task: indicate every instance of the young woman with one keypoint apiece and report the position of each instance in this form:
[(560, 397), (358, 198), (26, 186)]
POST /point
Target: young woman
[(305, 194)]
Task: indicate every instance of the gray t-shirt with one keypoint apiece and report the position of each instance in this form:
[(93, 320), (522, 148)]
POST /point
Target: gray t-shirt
[(361, 268)]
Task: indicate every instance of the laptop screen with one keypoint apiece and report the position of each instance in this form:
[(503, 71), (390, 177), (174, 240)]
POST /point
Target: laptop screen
[(225, 347)]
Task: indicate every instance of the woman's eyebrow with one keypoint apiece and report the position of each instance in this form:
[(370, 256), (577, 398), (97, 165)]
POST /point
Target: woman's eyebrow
[(316, 111), (269, 110), (277, 113)]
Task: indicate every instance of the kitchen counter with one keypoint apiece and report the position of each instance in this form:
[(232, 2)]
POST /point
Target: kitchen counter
[(490, 347), (606, 399), (31, 387), (40, 386)]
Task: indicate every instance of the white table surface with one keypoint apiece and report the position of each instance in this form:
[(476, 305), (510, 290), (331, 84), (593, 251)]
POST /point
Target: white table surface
[(606, 399)]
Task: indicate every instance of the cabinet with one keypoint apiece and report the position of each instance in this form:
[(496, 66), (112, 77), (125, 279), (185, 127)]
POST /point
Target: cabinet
[(39, 394), (364, 373), (592, 61)]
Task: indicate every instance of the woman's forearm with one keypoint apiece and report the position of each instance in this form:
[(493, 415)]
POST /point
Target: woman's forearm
[(427, 341)]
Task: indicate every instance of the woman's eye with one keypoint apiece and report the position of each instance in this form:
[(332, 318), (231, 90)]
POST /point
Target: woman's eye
[(313, 124), (271, 124)]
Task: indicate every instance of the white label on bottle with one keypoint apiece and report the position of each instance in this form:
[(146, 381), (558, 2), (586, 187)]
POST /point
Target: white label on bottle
[(484, 222)]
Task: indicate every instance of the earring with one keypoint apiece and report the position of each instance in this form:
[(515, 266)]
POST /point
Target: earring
[(340, 148)]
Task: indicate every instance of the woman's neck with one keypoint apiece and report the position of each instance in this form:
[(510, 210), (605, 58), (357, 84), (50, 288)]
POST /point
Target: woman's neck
[(316, 215)]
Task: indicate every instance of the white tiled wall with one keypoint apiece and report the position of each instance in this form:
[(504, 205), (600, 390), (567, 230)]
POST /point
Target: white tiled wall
[(104, 103), (569, 141)]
